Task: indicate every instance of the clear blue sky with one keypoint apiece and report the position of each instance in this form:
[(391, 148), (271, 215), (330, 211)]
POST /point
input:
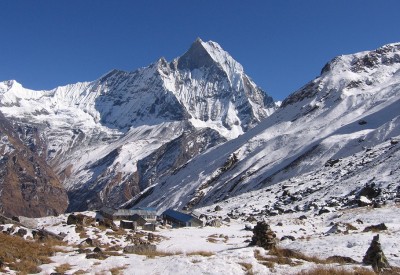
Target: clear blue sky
[(281, 44)]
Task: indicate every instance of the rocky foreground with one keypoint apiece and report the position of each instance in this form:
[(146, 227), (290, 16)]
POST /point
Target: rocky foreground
[(296, 243)]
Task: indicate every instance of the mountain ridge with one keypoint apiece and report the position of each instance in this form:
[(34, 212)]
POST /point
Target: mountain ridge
[(97, 131)]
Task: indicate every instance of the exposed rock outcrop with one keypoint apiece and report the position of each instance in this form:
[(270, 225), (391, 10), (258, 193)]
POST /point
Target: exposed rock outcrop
[(29, 187)]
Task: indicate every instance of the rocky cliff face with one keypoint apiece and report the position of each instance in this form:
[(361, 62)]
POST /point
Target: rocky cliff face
[(28, 185), (96, 133)]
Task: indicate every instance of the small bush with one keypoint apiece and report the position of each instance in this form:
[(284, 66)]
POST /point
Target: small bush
[(336, 271), (62, 268)]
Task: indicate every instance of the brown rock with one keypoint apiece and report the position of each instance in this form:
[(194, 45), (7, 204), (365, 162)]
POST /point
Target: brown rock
[(98, 256)]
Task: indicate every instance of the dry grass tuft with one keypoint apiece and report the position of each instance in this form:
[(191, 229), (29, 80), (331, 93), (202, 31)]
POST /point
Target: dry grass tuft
[(153, 254), (63, 268), (118, 270), (212, 240), (248, 268), (200, 253), (83, 235), (80, 272), (25, 256), (336, 271), (283, 256), (284, 253), (117, 233), (270, 260)]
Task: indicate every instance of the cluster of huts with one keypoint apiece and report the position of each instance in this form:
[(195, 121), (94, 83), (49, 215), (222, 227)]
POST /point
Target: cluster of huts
[(147, 218)]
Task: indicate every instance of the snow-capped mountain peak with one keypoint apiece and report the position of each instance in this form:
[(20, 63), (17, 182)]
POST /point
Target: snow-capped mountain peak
[(206, 54)]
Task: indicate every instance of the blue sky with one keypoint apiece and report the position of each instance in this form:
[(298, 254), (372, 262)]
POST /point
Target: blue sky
[(281, 44)]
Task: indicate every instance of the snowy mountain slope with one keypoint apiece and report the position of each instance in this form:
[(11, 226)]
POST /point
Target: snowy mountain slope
[(352, 107), (96, 132)]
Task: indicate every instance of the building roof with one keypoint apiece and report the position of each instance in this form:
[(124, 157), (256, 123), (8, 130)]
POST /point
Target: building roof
[(178, 215), (128, 212), (150, 209)]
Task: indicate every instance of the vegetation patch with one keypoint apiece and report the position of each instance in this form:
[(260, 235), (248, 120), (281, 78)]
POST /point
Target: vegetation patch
[(25, 256)]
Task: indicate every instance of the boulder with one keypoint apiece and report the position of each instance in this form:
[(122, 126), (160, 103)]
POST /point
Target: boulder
[(80, 219), (214, 223), (303, 217), (151, 237), (97, 250), (108, 224), (98, 256), (364, 201), (28, 222), (22, 232), (42, 234), (324, 210), (375, 228), (128, 225), (91, 242), (288, 237), (142, 249), (370, 191)]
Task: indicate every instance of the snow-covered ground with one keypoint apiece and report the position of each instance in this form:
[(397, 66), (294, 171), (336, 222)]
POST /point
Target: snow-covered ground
[(225, 249)]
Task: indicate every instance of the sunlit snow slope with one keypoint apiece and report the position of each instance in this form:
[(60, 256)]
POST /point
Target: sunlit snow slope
[(329, 139)]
